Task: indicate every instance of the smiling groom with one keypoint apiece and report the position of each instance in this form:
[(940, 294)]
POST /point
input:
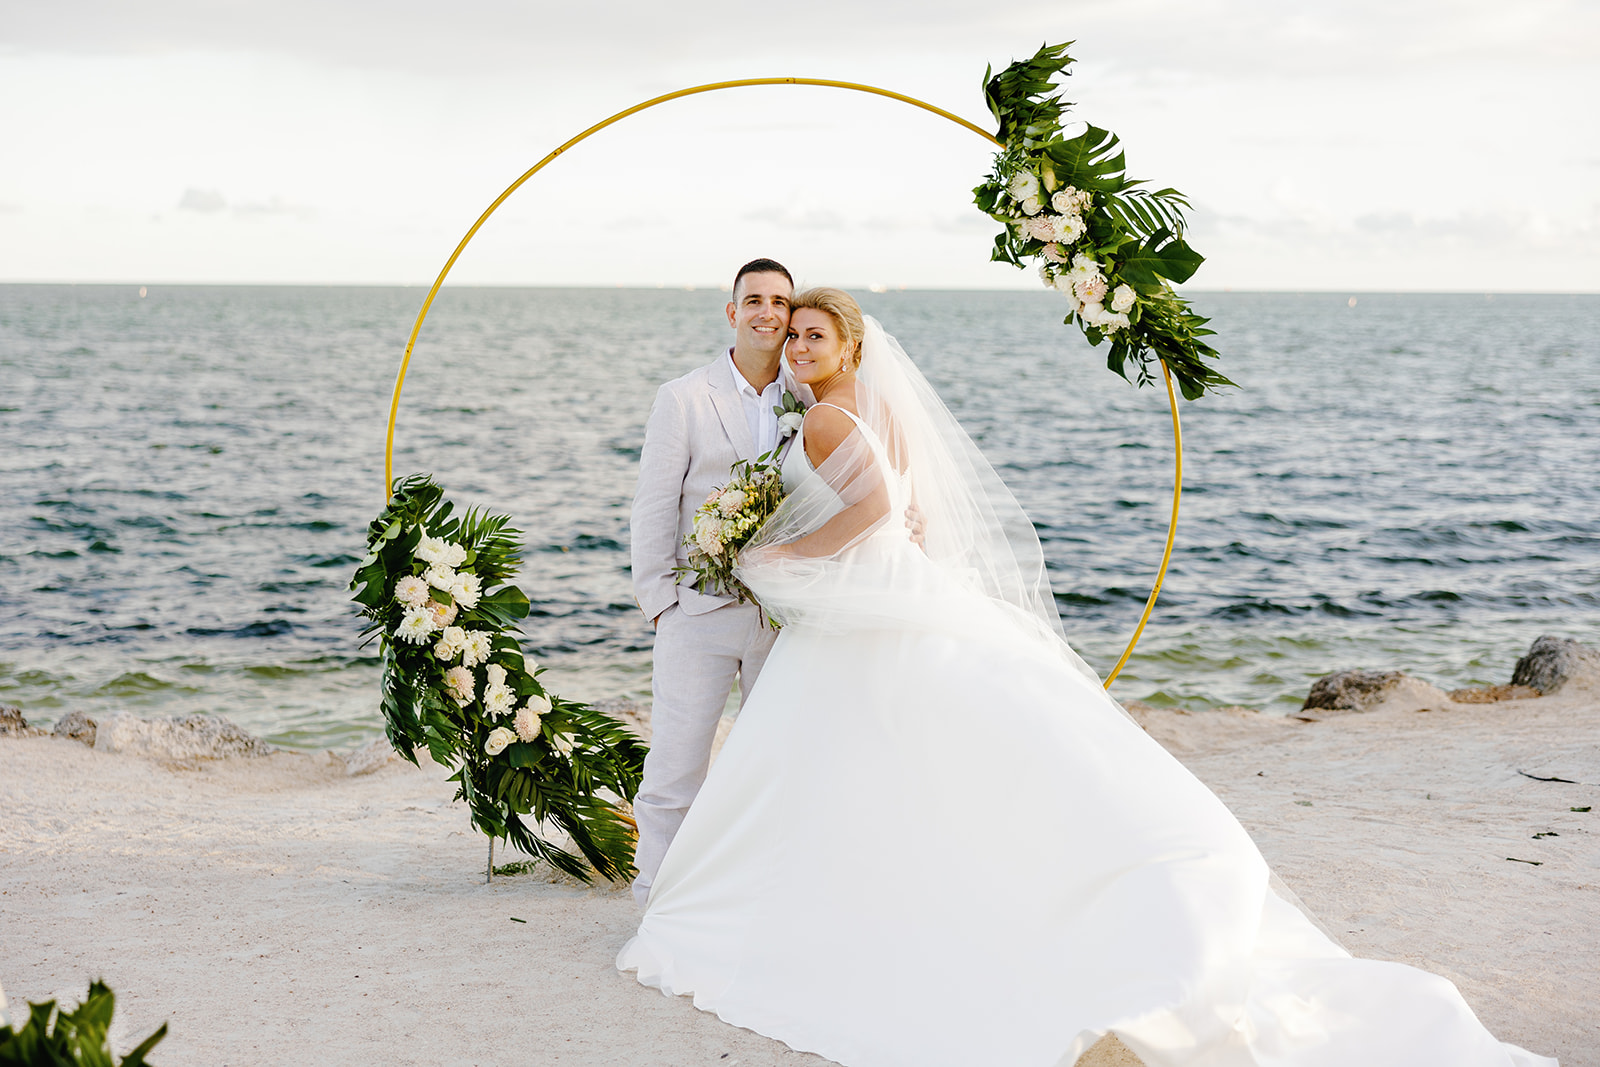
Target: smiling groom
[(700, 425)]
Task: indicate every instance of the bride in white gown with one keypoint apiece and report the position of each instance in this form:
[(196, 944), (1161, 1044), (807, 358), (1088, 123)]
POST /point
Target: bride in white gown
[(933, 839)]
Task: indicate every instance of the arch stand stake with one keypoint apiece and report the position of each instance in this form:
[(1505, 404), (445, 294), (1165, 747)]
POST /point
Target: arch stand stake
[(416, 329)]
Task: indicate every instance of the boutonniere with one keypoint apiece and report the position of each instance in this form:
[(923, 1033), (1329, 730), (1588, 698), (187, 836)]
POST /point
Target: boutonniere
[(790, 415)]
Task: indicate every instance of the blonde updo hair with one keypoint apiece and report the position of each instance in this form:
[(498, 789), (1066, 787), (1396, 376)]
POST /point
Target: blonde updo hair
[(839, 306)]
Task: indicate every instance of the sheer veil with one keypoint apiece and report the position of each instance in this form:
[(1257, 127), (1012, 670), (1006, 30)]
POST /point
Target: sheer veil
[(835, 554)]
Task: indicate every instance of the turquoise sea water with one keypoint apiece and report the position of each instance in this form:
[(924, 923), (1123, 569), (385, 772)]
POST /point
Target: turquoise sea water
[(1409, 482)]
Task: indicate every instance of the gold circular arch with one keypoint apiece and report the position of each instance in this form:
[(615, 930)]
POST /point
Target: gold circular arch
[(405, 362)]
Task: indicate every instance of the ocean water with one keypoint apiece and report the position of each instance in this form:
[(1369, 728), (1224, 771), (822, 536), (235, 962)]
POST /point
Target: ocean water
[(1406, 481)]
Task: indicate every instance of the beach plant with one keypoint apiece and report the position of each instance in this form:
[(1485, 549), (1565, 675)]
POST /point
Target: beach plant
[(1108, 243), (436, 590), (55, 1037)]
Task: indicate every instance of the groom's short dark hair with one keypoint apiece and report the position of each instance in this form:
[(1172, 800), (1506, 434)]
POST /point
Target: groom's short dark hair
[(762, 266)]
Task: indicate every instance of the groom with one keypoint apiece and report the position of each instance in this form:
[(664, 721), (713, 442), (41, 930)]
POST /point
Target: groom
[(700, 425)]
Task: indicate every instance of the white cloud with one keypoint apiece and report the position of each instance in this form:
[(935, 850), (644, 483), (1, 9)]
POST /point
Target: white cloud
[(378, 132)]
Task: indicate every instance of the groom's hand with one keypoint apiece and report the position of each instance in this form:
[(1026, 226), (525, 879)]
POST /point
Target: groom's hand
[(917, 525)]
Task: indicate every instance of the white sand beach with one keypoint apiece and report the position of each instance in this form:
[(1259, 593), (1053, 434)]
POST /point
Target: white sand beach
[(278, 909)]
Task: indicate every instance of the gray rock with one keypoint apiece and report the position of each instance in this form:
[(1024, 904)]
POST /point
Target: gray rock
[(370, 757), (1552, 662), (185, 737), (1343, 692), (12, 724), (76, 726)]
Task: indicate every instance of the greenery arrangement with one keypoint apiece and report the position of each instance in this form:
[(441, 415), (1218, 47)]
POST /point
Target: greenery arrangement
[(728, 519), (1111, 246), (437, 592), (53, 1037)]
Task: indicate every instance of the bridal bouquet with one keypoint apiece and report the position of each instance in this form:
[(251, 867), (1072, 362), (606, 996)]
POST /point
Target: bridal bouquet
[(727, 520), (437, 593), (1110, 246)]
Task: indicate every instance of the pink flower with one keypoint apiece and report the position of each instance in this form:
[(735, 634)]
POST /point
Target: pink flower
[(1091, 290)]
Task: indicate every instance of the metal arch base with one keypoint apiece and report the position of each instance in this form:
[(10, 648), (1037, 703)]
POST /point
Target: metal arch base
[(416, 329)]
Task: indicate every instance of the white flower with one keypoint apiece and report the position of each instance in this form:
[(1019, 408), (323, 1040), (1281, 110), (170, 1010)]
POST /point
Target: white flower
[(708, 535), (475, 648), (411, 591), (789, 423), (1067, 228), (416, 626), (454, 555), (528, 716), (440, 577), (1092, 313), (1122, 299), (732, 500), (458, 683), (443, 614), (1024, 184), (1031, 205), (452, 639), (1041, 228), (1071, 201), (1091, 290), (498, 739), (495, 674), (1112, 321), (498, 700), (1083, 267), (430, 549), (466, 589), (562, 743)]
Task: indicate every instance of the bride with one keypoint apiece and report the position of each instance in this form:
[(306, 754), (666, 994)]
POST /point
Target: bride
[(933, 839)]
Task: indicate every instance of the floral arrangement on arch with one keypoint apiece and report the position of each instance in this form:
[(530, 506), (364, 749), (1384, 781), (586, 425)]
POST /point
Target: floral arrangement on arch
[(438, 596), (1110, 246)]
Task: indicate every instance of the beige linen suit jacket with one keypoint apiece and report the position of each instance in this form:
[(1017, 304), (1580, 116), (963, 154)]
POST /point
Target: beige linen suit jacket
[(697, 431)]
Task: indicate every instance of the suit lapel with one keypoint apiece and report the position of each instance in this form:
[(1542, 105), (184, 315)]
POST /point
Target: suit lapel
[(730, 409)]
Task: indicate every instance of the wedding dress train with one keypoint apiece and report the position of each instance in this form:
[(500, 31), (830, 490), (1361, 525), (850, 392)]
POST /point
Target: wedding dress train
[(933, 839)]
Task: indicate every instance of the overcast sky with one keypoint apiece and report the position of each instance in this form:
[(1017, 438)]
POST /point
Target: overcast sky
[(1332, 144)]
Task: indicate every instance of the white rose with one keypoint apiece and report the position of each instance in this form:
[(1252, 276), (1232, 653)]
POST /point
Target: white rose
[(452, 639), (1122, 299), (789, 423), (1031, 205), (466, 589), (495, 673), (1092, 313), (499, 738), (1024, 184), (540, 704), (440, 577)]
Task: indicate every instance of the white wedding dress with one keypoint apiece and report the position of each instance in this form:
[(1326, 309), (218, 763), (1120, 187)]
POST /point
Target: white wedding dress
[(932, 838)]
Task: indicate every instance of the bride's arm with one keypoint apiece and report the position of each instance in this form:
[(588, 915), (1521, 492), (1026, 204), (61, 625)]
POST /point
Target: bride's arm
[(841, 455)]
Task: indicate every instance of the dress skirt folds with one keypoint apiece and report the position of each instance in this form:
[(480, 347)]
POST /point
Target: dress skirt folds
[(933, 840)]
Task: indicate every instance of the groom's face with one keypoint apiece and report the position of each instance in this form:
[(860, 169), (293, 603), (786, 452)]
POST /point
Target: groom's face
[(759, 313)]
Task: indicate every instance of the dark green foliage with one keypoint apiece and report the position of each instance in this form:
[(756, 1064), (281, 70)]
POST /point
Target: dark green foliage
[(1134, 234), (79, 1038), (577, 769)]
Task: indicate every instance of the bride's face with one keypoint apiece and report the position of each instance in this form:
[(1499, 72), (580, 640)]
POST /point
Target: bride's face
[(815, 348)]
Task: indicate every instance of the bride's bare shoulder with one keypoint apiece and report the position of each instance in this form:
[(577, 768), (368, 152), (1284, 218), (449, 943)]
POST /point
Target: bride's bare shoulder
[(826, 429)]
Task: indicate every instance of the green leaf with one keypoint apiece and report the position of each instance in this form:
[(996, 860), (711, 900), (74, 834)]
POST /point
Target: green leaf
[(1090, 160), (1161, 256)]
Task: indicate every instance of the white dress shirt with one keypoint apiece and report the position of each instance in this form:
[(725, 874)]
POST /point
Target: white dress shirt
[(758, 407)]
